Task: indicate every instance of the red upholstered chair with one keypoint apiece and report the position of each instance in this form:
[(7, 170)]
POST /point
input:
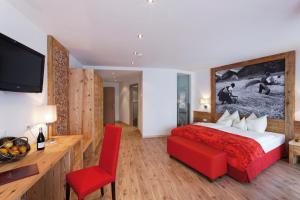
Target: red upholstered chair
[(86, 181)]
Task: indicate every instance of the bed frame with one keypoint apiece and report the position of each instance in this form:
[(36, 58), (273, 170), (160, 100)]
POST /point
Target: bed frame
[(285, 126)]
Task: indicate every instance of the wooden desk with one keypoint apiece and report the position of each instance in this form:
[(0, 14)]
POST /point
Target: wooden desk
[(53, 163)]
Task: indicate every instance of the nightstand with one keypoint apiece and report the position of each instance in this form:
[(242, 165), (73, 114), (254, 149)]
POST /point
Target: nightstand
[(200, 116), (294, 151)]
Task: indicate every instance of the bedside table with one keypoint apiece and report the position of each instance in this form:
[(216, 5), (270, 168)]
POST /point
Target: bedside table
[(294, 151), (202, 116)]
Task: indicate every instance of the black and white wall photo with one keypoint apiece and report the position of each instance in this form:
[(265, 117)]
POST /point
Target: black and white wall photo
[(257, 88)]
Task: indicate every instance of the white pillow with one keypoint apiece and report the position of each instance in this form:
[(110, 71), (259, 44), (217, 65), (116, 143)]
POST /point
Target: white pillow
[(252, 116), (258, 125), (225, 122), (240, 124), (234, 116), (225, 115)]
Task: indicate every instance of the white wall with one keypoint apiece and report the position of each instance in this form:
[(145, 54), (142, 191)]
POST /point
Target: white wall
[(117, 97), (159, 102), (17, 109), (202, 87), (74, 62)]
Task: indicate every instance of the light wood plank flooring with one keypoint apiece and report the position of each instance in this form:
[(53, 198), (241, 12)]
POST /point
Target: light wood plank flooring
[(145, 171)]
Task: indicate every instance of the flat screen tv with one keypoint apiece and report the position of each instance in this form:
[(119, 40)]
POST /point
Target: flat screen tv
[(21, 68)]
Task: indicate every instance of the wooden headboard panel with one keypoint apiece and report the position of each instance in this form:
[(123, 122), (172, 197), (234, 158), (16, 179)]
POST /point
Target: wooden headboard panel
[(286, 125), (274, 125)]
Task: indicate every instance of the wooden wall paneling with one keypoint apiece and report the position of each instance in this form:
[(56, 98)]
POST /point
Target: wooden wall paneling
[(290, 71), (101, 109), (297, 128), (88, 105), (58, 85), (98, 108), (285, 126), (76, 86)]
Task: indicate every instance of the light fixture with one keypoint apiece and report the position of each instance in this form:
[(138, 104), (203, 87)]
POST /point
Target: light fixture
[(204, 102), (45, 114), (140, 36), (150, 1)]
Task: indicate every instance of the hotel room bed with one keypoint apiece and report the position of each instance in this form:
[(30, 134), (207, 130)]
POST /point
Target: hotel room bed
[(248, 153)]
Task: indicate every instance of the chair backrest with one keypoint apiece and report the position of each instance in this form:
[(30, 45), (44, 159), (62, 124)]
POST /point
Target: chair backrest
[(110, 149)]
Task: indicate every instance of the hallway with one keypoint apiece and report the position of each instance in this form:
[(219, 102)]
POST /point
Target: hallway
[(145, 171)]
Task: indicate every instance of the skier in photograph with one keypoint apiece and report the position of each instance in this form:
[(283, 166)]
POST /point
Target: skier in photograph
[(265, 81), (225, 94)]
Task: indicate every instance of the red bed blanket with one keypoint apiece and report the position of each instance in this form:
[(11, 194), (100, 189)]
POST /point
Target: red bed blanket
[(241, 151)]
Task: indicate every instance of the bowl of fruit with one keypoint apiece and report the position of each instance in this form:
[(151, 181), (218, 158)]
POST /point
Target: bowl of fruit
[(13, 149)]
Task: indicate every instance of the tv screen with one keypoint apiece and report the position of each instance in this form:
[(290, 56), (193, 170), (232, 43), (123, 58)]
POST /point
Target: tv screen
[(21, 68)]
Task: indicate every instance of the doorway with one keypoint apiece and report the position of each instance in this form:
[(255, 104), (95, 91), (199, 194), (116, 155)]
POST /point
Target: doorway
[(134, 104), (183, 99), (109, 105)]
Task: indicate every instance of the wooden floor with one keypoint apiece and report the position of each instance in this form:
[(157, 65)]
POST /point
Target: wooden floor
[(145, 171)]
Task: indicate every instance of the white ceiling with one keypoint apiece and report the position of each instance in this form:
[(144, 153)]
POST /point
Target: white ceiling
[(118, 75), (180, 34)]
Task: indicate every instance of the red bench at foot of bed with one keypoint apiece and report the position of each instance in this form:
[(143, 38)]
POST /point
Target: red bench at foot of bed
[(213, 163), (206, 160)]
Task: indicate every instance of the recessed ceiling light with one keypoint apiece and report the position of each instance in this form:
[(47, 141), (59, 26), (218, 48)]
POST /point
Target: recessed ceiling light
[(150, 1), (140, 36), (137, 53)]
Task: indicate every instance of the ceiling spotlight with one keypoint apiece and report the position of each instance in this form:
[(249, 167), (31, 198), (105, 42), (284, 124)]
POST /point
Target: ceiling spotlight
[(150, 1), (140, 36), (137, 53)]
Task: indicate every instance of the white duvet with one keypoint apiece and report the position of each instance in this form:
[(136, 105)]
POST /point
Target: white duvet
[(268, 140)]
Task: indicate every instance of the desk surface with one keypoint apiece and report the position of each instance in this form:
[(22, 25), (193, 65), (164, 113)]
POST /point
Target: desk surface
[(44, 159)]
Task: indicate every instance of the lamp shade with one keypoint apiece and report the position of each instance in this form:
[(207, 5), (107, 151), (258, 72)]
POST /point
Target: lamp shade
[(46, 114), (204, 101)]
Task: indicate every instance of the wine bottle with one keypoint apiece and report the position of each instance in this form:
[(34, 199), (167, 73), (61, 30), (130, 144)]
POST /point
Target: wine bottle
[(40, 145)]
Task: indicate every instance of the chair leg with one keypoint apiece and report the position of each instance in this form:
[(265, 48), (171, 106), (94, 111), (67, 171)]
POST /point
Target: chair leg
[(113, 191), (102, 191), (67, 191)]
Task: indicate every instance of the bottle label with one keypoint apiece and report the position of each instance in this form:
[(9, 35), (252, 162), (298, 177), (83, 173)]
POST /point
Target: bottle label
[(41, 145)]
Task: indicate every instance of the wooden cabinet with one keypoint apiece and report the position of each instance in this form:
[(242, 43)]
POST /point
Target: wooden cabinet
[(86, 106), (202, 116), (294, 151)]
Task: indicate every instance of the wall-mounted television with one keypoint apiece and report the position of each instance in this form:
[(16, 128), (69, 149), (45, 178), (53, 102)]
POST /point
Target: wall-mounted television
[(21, 68)]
